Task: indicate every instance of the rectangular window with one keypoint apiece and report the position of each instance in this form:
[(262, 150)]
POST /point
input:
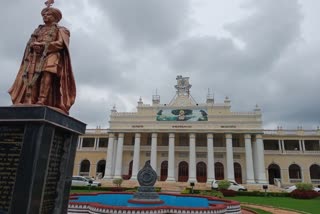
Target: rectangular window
[(103, 142), (271, 144), (88, 142)]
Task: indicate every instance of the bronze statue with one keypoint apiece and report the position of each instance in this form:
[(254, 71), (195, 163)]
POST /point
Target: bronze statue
[(45, 76)]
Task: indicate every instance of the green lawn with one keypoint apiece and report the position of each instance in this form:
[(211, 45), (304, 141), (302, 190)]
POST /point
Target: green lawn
[(306, 205)]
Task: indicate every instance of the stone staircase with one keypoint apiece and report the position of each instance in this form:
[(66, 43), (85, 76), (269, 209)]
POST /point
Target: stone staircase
[(258, 187), (179, 186), (165, 186)]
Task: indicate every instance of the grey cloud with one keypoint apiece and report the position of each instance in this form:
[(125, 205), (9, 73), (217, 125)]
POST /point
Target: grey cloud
[(147, 21), (138, 46), (268, 32)]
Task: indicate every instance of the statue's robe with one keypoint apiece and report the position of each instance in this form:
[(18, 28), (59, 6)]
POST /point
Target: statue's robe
[(63, 89)]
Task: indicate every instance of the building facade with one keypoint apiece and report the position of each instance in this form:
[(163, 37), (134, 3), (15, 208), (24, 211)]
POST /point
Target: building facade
[(186, 141)]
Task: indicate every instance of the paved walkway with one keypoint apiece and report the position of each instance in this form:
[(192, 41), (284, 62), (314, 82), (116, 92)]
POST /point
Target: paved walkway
[(270, 209)]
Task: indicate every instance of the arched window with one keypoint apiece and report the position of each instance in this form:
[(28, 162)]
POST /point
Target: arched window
[(219, 171), (84, 168), (201, 172), (164, 171), (101, 167), (295, 173), (237, 173), (183, 173), (315, 173), (274, 173)]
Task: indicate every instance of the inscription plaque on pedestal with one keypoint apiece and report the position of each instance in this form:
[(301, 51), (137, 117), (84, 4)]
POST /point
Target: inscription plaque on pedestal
[(11, 138), (53, 176), (37, 150)]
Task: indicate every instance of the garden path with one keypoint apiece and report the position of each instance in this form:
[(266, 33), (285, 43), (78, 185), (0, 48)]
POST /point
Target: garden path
[(271, 209)]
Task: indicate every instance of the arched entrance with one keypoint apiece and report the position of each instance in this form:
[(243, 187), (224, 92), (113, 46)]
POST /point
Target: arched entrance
[(315, 173), (128, 176), (295, 173), (101, 167), (84, 168), (183, 173), (219, 171), (201, 172), (164, 171), (273, 172), (237, 173)]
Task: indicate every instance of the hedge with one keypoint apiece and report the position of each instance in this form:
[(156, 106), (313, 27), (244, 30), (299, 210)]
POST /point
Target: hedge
[(258, 193)]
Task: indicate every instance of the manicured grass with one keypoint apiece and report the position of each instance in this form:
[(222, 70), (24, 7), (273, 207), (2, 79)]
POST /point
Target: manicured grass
[(305, 205), (259, 211)]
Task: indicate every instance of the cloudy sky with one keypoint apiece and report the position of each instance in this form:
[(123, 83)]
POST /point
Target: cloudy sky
[(264, 52)]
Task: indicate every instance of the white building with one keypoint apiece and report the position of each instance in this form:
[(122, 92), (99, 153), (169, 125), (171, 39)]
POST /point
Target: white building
[(187, 141)]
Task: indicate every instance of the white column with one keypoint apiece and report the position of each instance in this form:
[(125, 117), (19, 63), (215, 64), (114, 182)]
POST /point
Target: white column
[(153, 158), (118, 168), (171, 158), (255, 162), (303, 145), (230, 166), (283, 148), (136, 157), (80, 143), (109, 162), (261, 171), (96, 142), (114, 157), (249, 160), (279, 145), (300, 146), (210, 156), (192, 158)]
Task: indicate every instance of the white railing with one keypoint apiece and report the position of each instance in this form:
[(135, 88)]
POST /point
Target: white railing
[(97, 131), (127, 148), (271, 152), (238, 149), (315, 181), (295, 180), (293, 151), (290, 132), (312, 151)]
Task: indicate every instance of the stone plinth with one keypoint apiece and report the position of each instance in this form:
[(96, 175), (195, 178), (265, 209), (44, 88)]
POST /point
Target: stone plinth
[(37, 150)]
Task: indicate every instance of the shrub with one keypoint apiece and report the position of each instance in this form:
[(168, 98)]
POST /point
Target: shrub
[(187, 190), (213, 193), (304, 186), (228, 192), (260, 194), (223, 184), (117, 189), (304, 194), (117, 182)]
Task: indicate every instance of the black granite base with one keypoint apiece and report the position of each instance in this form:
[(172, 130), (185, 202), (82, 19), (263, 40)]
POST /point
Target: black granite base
[(146, 195), (37, 150)]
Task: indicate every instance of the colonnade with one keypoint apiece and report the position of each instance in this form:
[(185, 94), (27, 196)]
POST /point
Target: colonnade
[(254, 157)]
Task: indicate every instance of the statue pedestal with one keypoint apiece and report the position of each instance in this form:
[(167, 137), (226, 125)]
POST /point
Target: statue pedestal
[(37, 150), (146, 195)]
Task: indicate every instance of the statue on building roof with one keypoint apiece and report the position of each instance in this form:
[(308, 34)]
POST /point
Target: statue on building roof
[(183, 86)]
